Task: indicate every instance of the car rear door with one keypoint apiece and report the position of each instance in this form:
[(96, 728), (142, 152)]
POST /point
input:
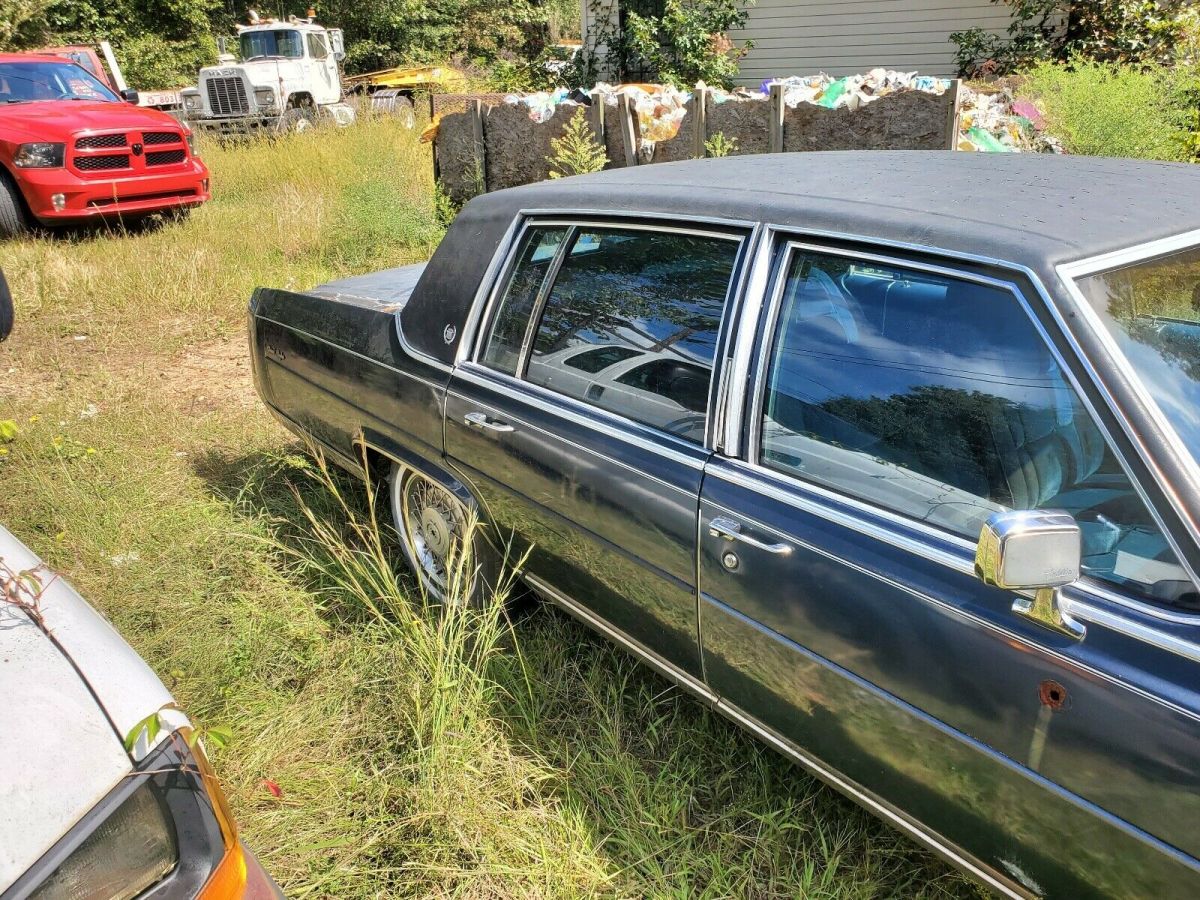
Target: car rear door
[(890, 406), (602, 495)]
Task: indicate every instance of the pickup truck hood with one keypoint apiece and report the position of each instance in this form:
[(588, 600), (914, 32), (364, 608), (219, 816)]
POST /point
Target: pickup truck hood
[(70, 687), (56, 120)]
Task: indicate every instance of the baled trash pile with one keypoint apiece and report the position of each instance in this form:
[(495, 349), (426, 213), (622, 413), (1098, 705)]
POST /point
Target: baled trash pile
[(989, 122)]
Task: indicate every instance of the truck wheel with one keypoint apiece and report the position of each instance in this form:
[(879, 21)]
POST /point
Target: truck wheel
[(433, 525), (295, 120), (405, 114), (12, 212)]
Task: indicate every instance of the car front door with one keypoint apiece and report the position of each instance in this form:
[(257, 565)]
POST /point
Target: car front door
[(892, 406), (601, 495)]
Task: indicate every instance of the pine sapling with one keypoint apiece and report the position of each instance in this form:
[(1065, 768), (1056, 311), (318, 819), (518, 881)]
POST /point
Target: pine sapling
[(576, 152)]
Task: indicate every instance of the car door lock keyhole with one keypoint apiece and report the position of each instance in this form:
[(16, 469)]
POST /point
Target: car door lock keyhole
[(729, 560)]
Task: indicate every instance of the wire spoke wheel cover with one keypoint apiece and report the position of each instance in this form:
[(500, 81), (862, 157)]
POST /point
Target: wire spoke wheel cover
[(432, 525)]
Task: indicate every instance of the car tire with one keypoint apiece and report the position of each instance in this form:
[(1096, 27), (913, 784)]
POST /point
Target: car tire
[(12, 210), (295, 120), (432, 523), (6, 309)]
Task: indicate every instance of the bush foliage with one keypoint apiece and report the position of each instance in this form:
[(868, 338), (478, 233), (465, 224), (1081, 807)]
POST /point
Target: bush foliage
[(1107, 109), (1120, 31)]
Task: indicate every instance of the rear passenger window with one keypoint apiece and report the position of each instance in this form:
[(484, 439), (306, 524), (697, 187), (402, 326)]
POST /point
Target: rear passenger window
[(525, 283), (648, 305), (938, 399)]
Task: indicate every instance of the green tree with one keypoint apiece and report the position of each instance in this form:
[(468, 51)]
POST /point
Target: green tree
[(576, 152), (1121, 31)]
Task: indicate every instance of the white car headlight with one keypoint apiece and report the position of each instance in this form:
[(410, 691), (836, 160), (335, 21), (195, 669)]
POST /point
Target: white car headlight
[(192, 101), (264, 96), (131, 850)]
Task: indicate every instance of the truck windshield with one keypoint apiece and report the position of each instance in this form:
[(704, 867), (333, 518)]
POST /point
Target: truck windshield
[(1152, 310), (259, 44), (37, 79)]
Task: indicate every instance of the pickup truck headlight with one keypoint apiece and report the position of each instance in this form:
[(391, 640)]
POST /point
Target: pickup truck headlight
[(264, 96), (168, 823), (40, 156)]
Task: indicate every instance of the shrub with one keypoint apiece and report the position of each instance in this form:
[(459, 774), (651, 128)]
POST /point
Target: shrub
[(1104, 109), (1102, 30), (687, 43), (576, 152)]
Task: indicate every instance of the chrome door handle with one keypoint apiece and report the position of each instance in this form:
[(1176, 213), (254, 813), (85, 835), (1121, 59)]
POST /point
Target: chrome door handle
[(486, 423), (723, 527)]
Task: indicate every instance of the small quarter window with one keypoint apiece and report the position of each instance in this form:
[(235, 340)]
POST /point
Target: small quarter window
[(316, 46), (937, 398), (520, 297), (631, 323)]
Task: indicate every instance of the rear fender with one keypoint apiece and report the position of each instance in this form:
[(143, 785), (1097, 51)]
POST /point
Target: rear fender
[(372, 442)]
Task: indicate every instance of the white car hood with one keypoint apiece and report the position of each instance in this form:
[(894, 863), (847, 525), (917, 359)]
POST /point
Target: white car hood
[(65, 703)]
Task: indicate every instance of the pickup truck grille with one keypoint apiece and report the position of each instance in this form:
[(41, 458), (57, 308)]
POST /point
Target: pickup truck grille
[(100, 141), (227, 96), (165, 157), (101, 163), (154, 138)]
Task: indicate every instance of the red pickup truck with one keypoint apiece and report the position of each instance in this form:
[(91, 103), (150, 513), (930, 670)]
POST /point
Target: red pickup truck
[(72, 150)]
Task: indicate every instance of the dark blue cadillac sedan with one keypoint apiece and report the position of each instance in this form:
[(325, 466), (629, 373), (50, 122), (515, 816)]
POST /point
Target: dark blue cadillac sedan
[(891, 458)]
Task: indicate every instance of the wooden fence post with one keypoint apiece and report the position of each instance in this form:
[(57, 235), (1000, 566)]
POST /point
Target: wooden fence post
[(700, 123), (775, 111), (953, 114), (478, 147), (597, 119), (629, 131)]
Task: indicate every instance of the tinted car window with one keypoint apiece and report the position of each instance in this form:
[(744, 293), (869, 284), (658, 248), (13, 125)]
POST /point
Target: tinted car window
[(938, 399), (601, 358), (657, 295), (521, 292)]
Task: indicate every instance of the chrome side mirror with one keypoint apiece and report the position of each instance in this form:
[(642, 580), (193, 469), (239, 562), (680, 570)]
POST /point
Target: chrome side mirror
[(1032, 550)]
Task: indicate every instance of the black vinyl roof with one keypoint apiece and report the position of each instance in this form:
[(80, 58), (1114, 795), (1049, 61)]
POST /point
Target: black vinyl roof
[(1033, 210)]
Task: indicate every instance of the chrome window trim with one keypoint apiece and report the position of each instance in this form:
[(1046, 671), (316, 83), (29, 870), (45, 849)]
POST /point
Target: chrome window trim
[(748, 361), (744, 234), (894, 816), (1070, 274), (496, 273), (587, 416)]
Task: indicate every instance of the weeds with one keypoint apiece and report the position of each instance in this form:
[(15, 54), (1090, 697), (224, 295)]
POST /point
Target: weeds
[(1099, 109)]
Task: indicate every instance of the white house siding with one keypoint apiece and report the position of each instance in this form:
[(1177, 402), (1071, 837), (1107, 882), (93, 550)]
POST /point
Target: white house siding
[(802, 37)]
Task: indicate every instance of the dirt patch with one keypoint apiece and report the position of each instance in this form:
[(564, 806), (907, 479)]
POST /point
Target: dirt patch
[(209, 377)]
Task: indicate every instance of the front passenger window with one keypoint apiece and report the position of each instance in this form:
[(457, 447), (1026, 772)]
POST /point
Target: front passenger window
[(937, 398)]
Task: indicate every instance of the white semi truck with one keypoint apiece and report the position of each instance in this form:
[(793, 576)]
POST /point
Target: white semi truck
[(287, 80)]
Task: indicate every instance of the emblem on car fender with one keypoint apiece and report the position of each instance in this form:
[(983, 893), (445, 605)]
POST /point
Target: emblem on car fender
[(449, 334)]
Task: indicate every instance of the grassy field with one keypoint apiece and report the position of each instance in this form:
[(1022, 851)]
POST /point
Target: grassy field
[(540, 762)]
